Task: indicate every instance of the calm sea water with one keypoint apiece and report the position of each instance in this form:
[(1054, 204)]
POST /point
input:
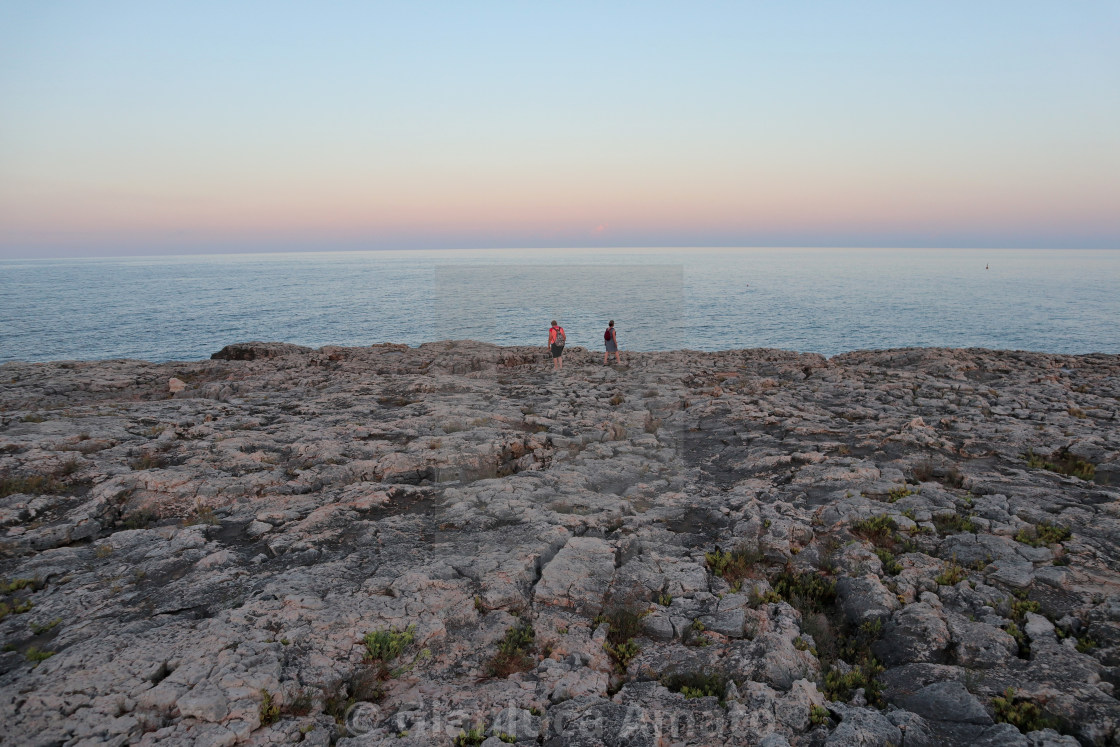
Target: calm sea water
[(819, 300)]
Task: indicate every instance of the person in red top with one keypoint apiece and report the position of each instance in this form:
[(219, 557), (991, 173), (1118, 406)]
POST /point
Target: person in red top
[(556, 340)]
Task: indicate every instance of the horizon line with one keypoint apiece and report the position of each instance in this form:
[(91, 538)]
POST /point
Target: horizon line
[(667, 247)]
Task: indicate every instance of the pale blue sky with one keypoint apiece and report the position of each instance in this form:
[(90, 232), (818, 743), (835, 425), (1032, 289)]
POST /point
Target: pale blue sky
[(145, 127)]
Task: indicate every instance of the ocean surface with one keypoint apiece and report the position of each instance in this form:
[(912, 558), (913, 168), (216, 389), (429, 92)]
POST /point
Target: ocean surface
[(814, 300)]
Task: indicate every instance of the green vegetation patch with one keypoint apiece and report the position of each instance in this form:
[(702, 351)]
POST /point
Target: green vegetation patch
[(890, 566), (879, 530), (734, 566), (471, 737), (896, 494), (33, 654), (953, 524), (841, 685), (1063, 463), (514, 652), (853, 646), (386, 645), (1043, 534), (383, 648), (269, 711), (18, 584), (953, 574), (624, 624), (882, 531), (807, 592), (362, 685), (31, 485), (15, 605), (41, 628), (697, 684), (1023, 714)]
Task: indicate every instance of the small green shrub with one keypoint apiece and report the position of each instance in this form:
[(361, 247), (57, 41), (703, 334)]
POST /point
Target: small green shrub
[(1043, 534), (733, 566), (470, 738), (841, 686), (952, 575), (41, 628), (890, 566), (1021, 640), (141, 519), (514, 651), (388, 644), (17, 607), (1021, 606), (34, 584), (33, 654), (33, 485), (1085, 644), (696, 684), (953, 523), (1063, 463), (807, 592), (624, 624), (819, 715), (768, 597), (622, 653), (269, 710), (896, 494), (851, 645), (1023, 714), (879, 530)]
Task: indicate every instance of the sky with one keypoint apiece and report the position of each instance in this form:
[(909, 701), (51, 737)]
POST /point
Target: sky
[(169, 128)]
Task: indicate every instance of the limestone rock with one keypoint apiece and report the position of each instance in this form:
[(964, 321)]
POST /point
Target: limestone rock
[(453, 535), (916, 633)]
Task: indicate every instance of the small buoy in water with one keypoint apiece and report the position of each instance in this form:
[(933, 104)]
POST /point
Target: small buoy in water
[(985, 267)]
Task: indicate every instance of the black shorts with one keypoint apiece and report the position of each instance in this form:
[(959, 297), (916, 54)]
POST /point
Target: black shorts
[(557, 350)]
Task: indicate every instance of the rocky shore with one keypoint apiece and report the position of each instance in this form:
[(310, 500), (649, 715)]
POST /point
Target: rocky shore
[(452, 544)]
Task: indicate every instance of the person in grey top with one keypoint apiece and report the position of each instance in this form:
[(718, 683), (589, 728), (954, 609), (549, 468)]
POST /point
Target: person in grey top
[(610, 341)]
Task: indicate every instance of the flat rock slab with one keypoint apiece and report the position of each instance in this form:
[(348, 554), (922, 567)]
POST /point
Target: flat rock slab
[(579, 576)]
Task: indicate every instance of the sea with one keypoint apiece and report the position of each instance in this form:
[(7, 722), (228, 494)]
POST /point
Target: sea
[(826, 301)]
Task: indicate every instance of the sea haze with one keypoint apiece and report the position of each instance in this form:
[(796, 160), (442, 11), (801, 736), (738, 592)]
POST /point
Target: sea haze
[(812, 300)]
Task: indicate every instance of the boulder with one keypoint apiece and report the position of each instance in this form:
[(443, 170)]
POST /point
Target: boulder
[(249, 351), (916, 633)]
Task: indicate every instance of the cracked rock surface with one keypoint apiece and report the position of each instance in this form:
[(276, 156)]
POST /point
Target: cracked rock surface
[(394, 545)]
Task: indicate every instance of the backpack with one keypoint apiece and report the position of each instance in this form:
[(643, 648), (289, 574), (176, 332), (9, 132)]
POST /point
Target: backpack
[(560, 337), (607, 334)]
